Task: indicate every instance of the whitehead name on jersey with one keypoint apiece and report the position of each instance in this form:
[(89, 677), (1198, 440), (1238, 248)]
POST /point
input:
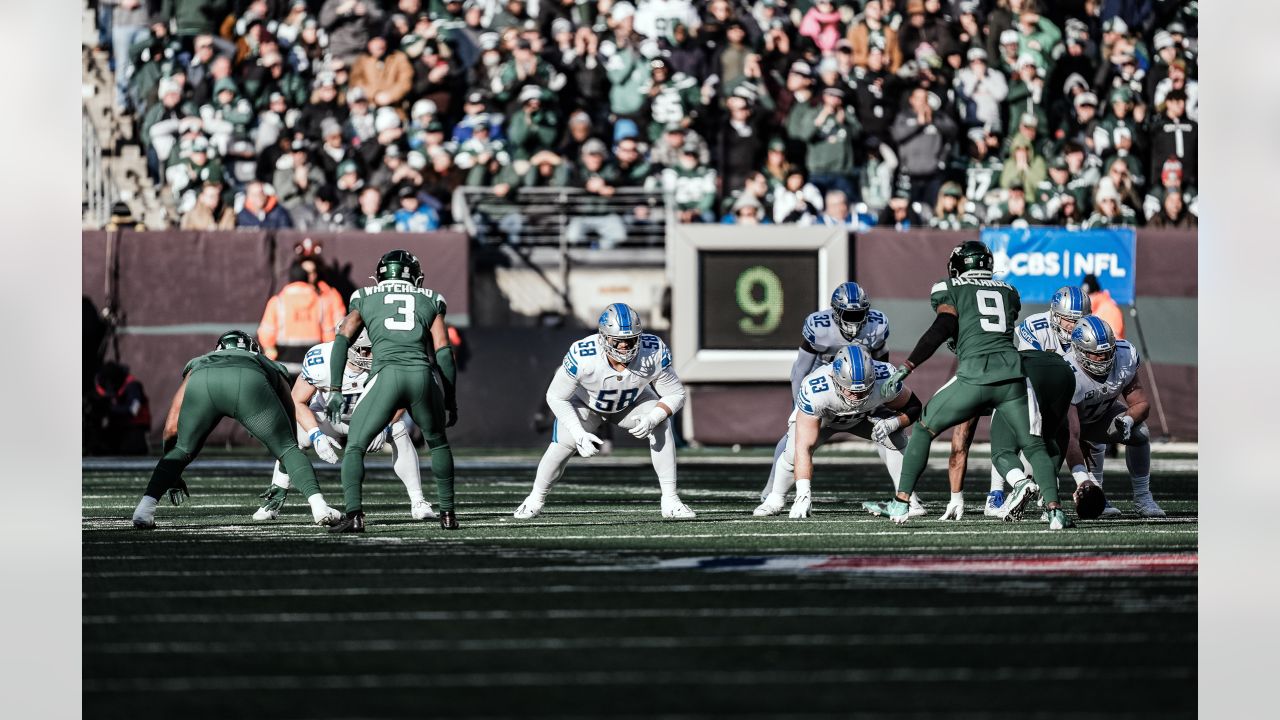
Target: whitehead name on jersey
[(1093, 398), (610, 391), (1036, 333), (315, 370), (822, 332), (819, 397)]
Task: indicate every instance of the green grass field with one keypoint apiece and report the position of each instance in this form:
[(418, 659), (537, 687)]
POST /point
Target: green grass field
[(599, 606)]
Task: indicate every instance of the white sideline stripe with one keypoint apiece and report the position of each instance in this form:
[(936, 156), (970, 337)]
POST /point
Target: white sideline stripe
[(591, 643), (695, 678)]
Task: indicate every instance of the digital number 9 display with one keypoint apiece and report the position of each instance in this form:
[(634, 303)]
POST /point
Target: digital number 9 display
[(756, 300)]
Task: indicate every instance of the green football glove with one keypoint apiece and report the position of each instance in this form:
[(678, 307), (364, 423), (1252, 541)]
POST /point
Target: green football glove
[(333, 411), (179, 493), (893, 385)]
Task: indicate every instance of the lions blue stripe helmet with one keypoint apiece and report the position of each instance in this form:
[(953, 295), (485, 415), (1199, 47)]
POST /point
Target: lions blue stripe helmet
[(1066, 308), (1094, 345), (620, 324), (850, 305), (854, 374)]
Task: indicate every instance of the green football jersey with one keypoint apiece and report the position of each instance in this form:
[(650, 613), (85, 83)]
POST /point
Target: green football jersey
[(234, 357), (987, 311), (398, 316)]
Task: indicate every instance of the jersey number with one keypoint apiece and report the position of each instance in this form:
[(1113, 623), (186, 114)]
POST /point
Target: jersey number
[(605, 402), (587, 348), (404, 313), (991, 305), (818, 384)]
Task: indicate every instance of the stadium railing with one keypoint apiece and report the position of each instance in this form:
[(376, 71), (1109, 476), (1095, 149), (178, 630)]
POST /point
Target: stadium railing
[(564, 217), (96, 192)]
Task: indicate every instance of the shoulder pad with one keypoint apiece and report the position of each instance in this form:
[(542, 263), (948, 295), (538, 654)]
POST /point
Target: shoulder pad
[(1124, 347)]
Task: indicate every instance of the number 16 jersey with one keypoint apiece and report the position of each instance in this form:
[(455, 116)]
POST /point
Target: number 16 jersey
[(398, 316), (986, 311)]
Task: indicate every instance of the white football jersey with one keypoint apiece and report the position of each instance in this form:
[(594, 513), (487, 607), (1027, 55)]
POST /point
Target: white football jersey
[(657, 18), (1036, 333), (610, 391), (1093, 398), (315, 370), (823, 334), (819, 397)]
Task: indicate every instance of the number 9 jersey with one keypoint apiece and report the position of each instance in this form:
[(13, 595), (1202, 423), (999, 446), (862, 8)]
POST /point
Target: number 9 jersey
[(398, 316), (986, 311), (587, 376)]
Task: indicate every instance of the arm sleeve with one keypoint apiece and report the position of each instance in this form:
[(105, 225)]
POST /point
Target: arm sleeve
[(448, 369), (944, 326), (801, 367), (558, 395), (338, 360), (913, 408), (670, 389)]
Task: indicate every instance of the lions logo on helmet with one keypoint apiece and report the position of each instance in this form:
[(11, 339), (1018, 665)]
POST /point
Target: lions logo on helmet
[(399, 265), (1069, 304), (619, 323), (850, 305), (971, 259), (360, 351), (237, 340), (854, 373), (1094, 345)]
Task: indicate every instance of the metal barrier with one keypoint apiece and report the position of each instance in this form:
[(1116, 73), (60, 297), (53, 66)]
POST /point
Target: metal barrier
[(97, 192), (564, 216)]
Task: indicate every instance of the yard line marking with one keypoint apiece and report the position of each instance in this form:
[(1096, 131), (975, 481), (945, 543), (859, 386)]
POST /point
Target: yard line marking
[(1091, 564)]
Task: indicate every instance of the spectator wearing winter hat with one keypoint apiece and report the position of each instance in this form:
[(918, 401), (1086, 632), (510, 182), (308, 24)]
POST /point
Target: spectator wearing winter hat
[(1119, 181), (437, 76), (1027, 93), (524, 72), (984, 166), (1081, 126), (923, 136), (741, 143), (296, 179), (162, 125), (1122, 149), (413, 215), (596, 216), (1166, 52), (901, 214), (950, 213), (262, 210), (822, 24), (1173, 135), (670, 97), (1109, 211), (385, 77), (349, 25), (831, 139), (924, 28), (1122, 114), (533, 128), (192, 171), (968, 28), (693, 188), (797, 200), (670, 146), (228, 115), (360, 127), (1170, 181), (1173, 213), (323, 213), (270, 76), (870, 29), (1023, 167), (979, 91)]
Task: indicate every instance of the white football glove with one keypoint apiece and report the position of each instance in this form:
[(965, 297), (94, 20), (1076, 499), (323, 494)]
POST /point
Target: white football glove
[(646, 423), (881, 431), (379, 440), (955, 509), (326, 447), (1123, 425), (802, 506), (1080, 473), (589, 445)]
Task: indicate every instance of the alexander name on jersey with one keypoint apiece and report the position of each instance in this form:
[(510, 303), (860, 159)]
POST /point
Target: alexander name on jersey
[(819, 397), (822, 332), (602, 387), (1094, 397)]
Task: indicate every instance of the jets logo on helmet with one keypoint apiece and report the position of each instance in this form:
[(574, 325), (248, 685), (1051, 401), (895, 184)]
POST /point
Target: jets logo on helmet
[(1094, 345), (971, 259), (237, 340), (854, 374), (360, 351), (399, 265), (620, 327), (850, 304), (1069, 304)]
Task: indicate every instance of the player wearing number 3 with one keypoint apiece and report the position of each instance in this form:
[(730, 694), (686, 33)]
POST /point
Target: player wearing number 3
[(611, 377), (410, 343), (979, 313)]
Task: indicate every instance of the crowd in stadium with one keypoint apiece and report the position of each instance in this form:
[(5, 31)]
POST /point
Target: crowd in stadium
[(367, 114)]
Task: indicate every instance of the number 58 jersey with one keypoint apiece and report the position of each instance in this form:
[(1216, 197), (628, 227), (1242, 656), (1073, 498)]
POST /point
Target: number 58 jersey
[(398, 316), (587, 375), (819, 397)]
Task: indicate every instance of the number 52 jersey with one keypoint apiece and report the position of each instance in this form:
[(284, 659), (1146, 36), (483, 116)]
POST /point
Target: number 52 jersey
[(586, 375)]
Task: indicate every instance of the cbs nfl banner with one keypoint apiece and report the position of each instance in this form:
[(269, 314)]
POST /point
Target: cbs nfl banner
[(1039, 260)]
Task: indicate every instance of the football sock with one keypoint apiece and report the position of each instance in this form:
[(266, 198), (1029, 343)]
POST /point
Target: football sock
[(1014, 477), (997, 482), (1098, 456), (1137, 459), (1141, 486), (662, 451), (550, 468), (146, 509), (353, 477), (914, 459), (167, 473), (892, 460), (783, 475), (778, 449), (279, 477), (442, 469), (300, 471), (405, 462), (317, 503)]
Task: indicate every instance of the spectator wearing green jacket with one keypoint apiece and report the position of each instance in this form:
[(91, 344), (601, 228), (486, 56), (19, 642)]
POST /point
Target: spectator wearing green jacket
[(533, 128), (195, 17), (1023, 168), (830, 138)]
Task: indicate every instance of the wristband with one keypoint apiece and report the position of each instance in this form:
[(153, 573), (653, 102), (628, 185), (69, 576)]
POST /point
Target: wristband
[(315, 434)]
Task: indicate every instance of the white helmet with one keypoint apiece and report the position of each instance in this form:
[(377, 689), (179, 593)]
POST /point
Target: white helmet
[(1094, 344), (1069, 304), (854, 373), (618, 323), (360, 351)]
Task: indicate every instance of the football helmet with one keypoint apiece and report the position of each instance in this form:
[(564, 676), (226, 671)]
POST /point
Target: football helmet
[(850, 305), (1094, 345), (854, 373), (971, 259), (238, 340), (619, 323), (360, 351), (399, 265), (1068, 305)]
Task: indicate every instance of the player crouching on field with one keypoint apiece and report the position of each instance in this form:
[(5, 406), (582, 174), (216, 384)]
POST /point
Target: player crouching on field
[(311, 395), (844, 396), (611, 377)]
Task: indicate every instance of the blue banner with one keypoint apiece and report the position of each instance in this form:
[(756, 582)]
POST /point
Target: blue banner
[(1039, 260)]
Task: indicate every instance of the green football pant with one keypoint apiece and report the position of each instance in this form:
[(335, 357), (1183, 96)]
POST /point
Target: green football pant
[(958, 401), (1053, 383), (418, 390), (246, 395), (1004, 452)]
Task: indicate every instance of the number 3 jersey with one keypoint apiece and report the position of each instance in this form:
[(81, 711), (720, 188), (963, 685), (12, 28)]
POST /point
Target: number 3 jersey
[(820, 398), (1094, 398), (398, 316), (315, 370), (587, 375), (822, 333)]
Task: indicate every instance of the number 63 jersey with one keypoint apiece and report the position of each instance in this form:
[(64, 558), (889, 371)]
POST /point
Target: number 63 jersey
[(819, 397), (587, 375), (398, 316)]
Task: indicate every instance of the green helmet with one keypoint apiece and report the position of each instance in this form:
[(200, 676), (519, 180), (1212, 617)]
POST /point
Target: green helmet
[(969, 256), (238, 340), (399, 265)]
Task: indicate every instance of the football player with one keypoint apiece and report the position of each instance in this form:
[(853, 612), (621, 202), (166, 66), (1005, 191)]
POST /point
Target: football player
[(234, 380), (849, 321), (978, 312), (844, 396), (622, 376), (310, 395), (413, 367), (1112, 404)]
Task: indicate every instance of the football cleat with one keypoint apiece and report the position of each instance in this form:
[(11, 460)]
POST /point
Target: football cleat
[(448, 520), (801, 507), (1058, 520), (772, 505), (995, 499), (674, 509), (528, 509), (898, 511), (141, 523), (353, 523), (328, 516), (1146, 507), (917, 508), (876, 508), (1110, 510), (1025, 492), (272, 500), (421, 510)]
